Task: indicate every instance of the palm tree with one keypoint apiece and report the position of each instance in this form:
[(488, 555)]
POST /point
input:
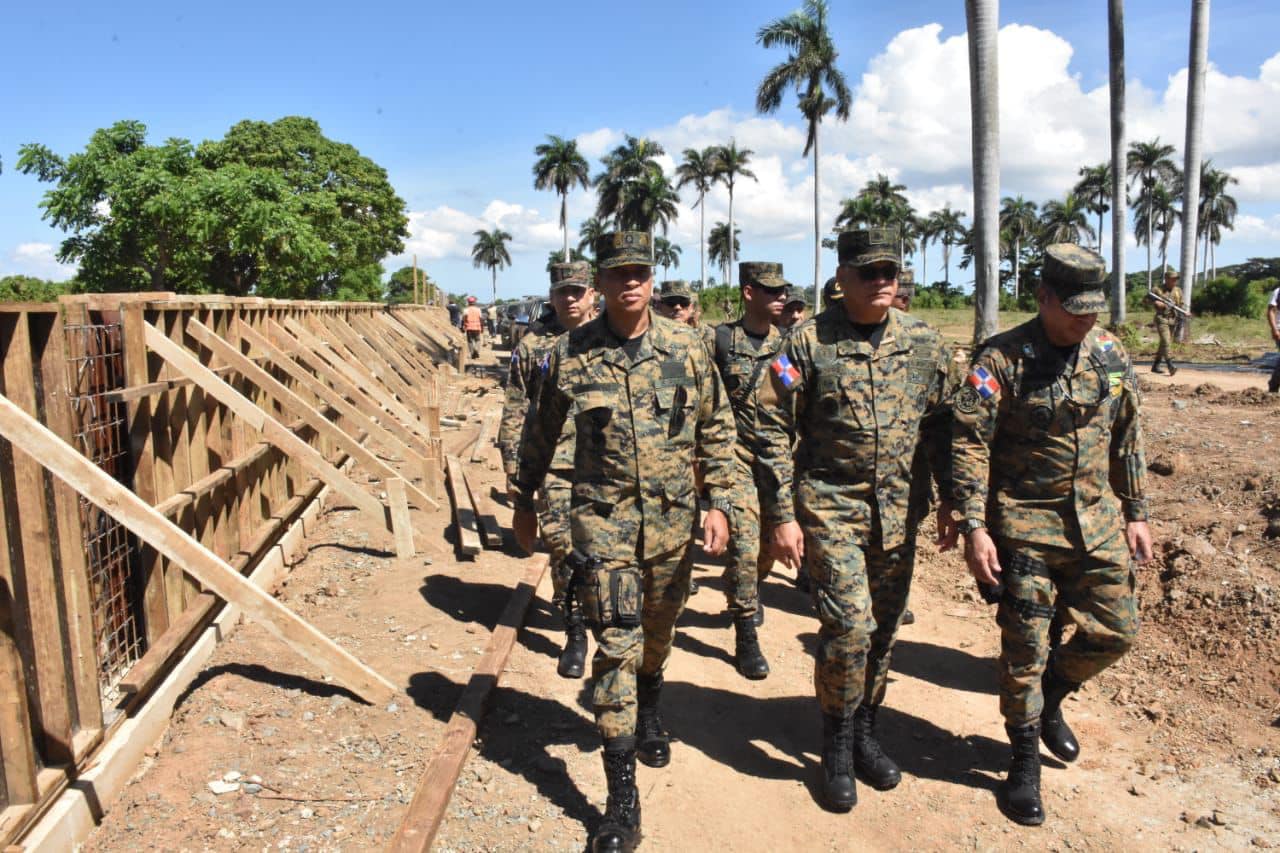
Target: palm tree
[(857, 212), (1065, 221), (1119, 211), (927, 227), (718, 248), (947, 229), (490, 251), (1157, 212), (982, 18), (698, 170), (589, 231), (1019, 224), (1094, 189), (1150, 163), (635, 159), (731, 164), (886, 199), (1217, 208), (1197, 66), (666, 254), (560, 167), (809, 69), (651, 203)]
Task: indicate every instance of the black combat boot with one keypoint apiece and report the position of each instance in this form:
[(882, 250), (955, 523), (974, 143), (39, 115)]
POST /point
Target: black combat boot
[(758, 618), (1022, 788), (653, 744), (619, 829), (908, 618), (747, 656), (839, 791), (1173, 371), (573, 659), (1054, 731), (876, 768)]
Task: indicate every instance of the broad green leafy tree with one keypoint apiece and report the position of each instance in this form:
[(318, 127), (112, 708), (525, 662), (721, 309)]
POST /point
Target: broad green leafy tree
[(560, 167), (400, 285), (810, 70), (490, 252), (25, 288)]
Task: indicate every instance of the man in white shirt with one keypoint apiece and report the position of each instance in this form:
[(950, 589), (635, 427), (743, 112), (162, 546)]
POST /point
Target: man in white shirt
[(1273, 320)]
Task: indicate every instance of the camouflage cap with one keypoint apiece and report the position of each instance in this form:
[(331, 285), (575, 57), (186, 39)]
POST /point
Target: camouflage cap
[(571, 274), (763, 273), (831, 291), (1077, 276), (676, 289), (620, 248), (863, 246), (906, 281), (796, 296)]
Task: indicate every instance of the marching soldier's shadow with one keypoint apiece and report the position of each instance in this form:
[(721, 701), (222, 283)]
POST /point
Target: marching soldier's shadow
[(481, 603)]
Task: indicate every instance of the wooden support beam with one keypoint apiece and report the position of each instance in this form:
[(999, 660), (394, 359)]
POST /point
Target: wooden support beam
[(291, 402), (33, 438), (373, 361), (464, 511), (488, 429), (427, 810), (18, 757), (400, 516), (272, 430)]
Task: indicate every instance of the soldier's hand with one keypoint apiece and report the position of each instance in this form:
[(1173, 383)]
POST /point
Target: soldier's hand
[(948, 531), (1140, 543), (715, 532), (524, 522), (980, 554), (788, 544)]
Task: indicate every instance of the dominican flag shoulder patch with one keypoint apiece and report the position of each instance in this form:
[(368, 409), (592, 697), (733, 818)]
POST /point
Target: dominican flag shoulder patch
[(1106, 342), (785, 371), (983, 382)]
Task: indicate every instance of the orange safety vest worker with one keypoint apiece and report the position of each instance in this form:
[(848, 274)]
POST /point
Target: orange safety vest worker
[(471, 320)]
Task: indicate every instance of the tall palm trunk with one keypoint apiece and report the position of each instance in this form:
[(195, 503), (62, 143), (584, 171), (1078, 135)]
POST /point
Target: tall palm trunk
[(1017, 247), (983, 20), (494, 272), (728, 274), (564, 223), (1119, 202), (924, 262), (817, 239), (1149, 237), (1197, 63), (702, 239), (946, 263)]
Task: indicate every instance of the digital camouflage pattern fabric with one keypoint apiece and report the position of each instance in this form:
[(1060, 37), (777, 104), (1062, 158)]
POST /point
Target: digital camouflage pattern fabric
[(640, 425), (763, 273), (620, 248), (570, 274), (862, 246), (1078, 275), (1048, 451), (744, 371), (857, 411)]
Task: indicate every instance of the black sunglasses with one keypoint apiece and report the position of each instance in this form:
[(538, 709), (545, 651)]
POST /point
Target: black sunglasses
[(677, 302)]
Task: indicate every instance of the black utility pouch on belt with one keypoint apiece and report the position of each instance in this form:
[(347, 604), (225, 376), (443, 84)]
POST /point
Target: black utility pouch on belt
[(611, 598)]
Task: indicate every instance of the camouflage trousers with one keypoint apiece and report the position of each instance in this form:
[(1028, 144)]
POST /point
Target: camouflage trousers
[(632, 608), (860, 592), (1165, 332), (553, 523), (749, 558), (1093, 591)]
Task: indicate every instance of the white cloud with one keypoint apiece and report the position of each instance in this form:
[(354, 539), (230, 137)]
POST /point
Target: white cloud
[(598, 142), (38, 260)]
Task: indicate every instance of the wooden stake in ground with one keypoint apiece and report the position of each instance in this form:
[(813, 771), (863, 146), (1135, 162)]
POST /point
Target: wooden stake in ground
[(33, 438), (464, 511), (426, 812)]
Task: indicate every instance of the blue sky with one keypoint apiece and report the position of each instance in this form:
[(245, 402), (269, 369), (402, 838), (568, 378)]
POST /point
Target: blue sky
[(452, 100)]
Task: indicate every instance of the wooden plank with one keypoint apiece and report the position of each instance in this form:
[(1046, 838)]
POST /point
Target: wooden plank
[(272, 430), (148, 669), (427, 810), (372, 361), (488, 428), (399, 501), (294, 404), (36, 584), (17, 740), (464, 511), (486, 516), (35, 439), (382, 342)]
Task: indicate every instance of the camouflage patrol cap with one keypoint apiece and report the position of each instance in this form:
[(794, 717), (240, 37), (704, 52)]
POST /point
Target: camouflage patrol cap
[(571, 274), (620, 248), (675, 289), (831, 292), (795, 296), (1077, 276), (763, 273), (863, 246), (906, 281)]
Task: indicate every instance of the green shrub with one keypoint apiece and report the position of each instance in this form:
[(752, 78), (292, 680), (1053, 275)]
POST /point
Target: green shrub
[(1230, 297)]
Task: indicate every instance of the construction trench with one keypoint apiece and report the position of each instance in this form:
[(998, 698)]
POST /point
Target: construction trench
[(166, 465)]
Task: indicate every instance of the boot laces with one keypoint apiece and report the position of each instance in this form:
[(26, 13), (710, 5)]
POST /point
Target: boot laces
[(864, 733), (842, 745)]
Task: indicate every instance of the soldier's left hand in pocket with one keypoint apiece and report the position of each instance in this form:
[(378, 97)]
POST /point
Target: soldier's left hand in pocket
[(715, 532), (1141, 547)]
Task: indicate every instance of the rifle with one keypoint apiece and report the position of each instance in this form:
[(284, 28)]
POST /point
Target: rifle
[(1168, 303)]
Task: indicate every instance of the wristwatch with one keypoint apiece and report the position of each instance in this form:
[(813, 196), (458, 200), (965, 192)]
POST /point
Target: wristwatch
[(969, 525)]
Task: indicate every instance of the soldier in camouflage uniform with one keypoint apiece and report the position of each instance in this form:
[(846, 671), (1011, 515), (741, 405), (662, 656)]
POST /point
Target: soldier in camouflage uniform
[(743, 350), (859, 386), (572, 300), (831, 293), (1047, 451), (1166, 322), (646, 404), (793, 309)]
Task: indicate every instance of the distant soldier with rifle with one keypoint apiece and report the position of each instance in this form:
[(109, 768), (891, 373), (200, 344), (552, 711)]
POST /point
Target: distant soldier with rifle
[(1273, 322), (646, 402), (1169, 313)]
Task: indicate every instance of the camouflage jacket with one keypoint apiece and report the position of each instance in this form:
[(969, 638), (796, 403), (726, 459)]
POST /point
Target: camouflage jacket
[(641, 426), (1166, 316), (744, 372), (1048, 452), (857, 413), (527, 363)]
